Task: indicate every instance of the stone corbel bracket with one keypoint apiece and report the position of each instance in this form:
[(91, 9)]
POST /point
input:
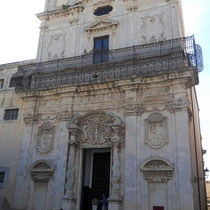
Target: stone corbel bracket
[(102, 25), (157, 171), (41, 171)]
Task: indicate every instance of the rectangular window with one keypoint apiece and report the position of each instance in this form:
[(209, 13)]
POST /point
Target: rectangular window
[(158, 208), (1, 83), (12, 82), (11, 114), (101, 49), (2, 175)]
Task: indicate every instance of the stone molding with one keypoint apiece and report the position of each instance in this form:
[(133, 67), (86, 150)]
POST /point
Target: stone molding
[(156, 130), (70, 11), (102, 25), (45, 139), (157, 171), (41, 171)]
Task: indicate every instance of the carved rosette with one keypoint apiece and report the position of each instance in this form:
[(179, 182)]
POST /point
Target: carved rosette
[(41, 171), (156, 130), (46, 133), (157, 171)]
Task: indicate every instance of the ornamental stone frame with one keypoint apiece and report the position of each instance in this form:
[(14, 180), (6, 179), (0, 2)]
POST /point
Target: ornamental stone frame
[(156, 130), (95, 129), (45, 139)]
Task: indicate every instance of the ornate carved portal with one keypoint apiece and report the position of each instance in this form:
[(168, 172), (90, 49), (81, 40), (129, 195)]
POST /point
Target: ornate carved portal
[(95, 130)]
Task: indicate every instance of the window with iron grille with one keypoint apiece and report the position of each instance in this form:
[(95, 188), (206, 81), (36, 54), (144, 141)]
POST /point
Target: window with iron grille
[(11, 114), (12, 82), (2, 175), (1, 83)]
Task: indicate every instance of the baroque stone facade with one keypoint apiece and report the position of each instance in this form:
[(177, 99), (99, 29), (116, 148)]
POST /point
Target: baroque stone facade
[(106, 111)]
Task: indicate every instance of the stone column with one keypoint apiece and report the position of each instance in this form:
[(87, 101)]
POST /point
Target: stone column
[(69, 197), (131, 111), (115, 197)]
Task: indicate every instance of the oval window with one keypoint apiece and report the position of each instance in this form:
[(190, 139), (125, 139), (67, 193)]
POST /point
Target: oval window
[(103, 10)]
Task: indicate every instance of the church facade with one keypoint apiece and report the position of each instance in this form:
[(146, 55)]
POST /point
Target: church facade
[(107, 113)]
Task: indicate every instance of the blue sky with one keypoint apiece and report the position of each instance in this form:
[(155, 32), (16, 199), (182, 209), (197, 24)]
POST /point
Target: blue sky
[(20, 32)]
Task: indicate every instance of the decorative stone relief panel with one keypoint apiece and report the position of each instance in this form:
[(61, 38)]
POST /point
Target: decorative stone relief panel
[(156, 131), (45, 138), (157, 171), (41, 171), (96, 127), (153, 29), (179, 104), (56, 46)]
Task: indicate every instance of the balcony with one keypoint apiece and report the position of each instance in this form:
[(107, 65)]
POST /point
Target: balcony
[(136, 61)]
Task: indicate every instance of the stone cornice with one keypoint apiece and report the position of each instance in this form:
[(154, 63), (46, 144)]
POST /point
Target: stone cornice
[(60, 12)]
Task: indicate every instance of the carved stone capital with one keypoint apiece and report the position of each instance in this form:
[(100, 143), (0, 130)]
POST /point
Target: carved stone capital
[(180, 104), (133, 109), (31, 118), (64, 116)]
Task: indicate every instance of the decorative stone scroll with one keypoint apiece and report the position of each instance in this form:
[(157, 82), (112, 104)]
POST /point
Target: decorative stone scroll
[(157, 171), (41, 171), (45, 140), (156, 130)]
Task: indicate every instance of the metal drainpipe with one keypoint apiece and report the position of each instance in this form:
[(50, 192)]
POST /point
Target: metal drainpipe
[(196, 155)]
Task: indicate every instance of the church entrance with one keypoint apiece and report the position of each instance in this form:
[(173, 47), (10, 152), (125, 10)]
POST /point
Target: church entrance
[(96, 177)]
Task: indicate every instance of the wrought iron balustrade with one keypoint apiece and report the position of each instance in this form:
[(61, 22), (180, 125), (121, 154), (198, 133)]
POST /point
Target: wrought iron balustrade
[(142, 60)]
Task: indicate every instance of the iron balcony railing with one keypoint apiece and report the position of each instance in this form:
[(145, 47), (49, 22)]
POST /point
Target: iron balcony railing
[(142, 60)]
